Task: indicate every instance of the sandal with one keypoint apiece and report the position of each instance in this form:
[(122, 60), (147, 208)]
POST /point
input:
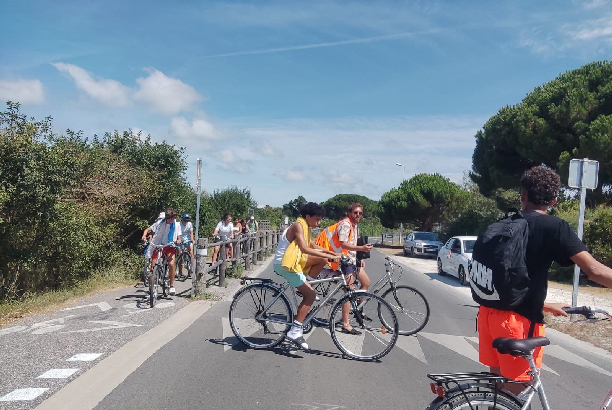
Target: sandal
[(353, 331)]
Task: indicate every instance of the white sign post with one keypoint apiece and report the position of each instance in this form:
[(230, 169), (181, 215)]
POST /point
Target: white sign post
[(198, 192), (583, 174)]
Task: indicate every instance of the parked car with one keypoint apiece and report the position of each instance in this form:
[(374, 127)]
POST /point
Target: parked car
[(421, 243), (455, 257)]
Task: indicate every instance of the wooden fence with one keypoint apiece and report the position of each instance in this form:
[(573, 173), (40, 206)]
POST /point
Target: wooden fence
[(247, 251)]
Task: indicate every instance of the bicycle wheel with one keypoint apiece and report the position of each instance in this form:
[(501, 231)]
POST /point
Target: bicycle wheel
[(153, 278), (479, 400), (251, 301), (376, 324), (163, 279), (410, 307), (181, 265)]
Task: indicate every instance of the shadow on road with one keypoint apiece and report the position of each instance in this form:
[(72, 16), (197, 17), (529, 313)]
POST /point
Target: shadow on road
[(448, 280)]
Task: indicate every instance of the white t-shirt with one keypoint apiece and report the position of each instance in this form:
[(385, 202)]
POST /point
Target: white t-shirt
[(162, 231), (186, 232), (224, 229)]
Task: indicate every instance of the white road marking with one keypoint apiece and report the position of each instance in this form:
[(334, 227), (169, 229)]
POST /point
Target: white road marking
[(58, 374), (84, 357), (23, 394), (102, 305), (109, 325), (163, 305), (411, 345), (567, 356), (228, 335), (49, 326), (455, 343), (13, 329)]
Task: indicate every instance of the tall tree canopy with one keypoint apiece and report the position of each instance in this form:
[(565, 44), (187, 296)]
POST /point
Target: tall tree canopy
[(292, 208), (336, 207), (424, 201), (569, 117)]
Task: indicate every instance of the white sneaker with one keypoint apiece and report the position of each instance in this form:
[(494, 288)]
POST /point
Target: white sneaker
[(172, 291), (295, 334)]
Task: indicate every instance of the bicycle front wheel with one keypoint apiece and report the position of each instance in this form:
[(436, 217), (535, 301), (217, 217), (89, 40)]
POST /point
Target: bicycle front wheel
[(153, 279), (374, 324), (479, 400), (271, 329), (410, 307)]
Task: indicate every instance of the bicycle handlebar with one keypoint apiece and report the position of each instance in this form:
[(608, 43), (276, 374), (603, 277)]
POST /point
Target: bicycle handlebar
[(586, 311)]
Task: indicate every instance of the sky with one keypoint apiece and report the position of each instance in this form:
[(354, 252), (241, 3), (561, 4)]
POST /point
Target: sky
[(311, 98)]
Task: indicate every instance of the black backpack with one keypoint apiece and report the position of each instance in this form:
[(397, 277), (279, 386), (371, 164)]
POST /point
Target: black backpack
[(498, 276)]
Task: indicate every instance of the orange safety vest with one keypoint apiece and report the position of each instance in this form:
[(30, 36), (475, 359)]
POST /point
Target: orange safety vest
[(328, 239)]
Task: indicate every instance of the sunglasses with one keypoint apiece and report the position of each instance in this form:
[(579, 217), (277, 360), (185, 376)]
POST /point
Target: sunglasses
[(357, 213)]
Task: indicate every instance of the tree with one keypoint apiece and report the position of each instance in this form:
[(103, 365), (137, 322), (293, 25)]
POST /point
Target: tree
[(336, 207), (424, 201), (569, 117), (269, 213), (292, 208), (480, 213)]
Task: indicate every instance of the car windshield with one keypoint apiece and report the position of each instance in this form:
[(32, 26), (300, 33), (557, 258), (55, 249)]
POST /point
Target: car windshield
[(468, 246), (425, 236)]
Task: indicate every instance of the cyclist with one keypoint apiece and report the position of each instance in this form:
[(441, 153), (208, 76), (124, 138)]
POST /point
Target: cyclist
[(342, 238), (550, 239), (253, 225), (167, 231), (187, 234), (297, 255), (223, 228)]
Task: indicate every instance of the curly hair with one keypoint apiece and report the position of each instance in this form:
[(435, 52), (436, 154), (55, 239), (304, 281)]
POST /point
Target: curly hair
[(541, 184), (312, 209), (353, 206)]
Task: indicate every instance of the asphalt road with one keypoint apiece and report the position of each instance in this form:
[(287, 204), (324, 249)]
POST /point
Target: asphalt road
[(204, 366)]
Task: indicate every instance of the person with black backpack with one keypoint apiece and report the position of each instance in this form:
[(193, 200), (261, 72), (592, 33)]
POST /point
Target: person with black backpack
[(511, 260)]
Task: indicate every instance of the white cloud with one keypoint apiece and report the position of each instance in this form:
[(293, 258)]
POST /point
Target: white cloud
[(165, 94), (292, 175), (22, 91), (109, 92), (233, 161), (593, 30), (195, 130), (594, 4)]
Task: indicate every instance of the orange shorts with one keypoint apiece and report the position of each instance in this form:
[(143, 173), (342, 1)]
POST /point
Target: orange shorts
[(493, 323)]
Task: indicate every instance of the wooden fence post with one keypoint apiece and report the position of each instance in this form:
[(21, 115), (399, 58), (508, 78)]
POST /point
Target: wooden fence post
[(247, 252), (256, 248), (201, 252)]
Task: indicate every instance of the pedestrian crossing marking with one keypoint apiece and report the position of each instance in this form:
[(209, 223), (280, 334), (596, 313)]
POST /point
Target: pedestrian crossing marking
[(567, 356), (411, 345)]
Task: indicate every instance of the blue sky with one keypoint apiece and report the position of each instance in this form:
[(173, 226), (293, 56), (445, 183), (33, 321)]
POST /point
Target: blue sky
[(289, 98)]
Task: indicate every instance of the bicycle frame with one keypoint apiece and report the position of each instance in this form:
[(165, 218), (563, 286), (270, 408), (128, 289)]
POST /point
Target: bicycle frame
[(341, 280), (387, 277)]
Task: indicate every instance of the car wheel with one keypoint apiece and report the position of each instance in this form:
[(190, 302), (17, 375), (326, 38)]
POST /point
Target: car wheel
[(412, 252), (462, 278), (440, 271)]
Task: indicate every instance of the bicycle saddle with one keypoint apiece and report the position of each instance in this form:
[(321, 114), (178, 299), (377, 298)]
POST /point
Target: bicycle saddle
[(519, 347)]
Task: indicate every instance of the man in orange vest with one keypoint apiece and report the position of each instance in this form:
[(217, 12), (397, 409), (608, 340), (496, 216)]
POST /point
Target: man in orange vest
[(342, 238)]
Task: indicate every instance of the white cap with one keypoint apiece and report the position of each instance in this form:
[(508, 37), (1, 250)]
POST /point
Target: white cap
[(252, 217), (161, 215)]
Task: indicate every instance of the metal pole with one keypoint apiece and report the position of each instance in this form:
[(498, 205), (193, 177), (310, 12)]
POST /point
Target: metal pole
[(580, 234), (195, 288)]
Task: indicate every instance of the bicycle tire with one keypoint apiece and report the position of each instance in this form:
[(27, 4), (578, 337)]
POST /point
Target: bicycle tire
[(153, 287), (247, 304), (377, 336), (163, 279), (410, 307), (184, 262), (479, 400)]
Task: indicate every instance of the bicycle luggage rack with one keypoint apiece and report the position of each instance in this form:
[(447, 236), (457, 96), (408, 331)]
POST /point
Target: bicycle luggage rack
[(444, 382)]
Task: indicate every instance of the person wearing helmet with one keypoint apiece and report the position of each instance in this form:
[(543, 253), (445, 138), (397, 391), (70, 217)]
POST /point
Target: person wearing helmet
[(187, 234)]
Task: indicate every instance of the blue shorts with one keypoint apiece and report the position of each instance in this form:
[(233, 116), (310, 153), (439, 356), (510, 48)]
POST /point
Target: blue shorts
[(295, 279)]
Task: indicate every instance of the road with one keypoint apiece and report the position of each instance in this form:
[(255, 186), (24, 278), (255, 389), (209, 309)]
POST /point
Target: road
[(204, 366)]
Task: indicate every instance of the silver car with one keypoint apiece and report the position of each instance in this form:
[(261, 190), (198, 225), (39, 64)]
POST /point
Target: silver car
[(421, 243)]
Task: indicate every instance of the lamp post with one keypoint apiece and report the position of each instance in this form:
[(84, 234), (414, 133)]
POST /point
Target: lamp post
[(403, 170)]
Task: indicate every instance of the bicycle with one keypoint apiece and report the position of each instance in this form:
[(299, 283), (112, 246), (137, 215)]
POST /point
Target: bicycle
[(159, 275), (473, 390), (183, 261), (410, 306), (144, 275), (268, 315)]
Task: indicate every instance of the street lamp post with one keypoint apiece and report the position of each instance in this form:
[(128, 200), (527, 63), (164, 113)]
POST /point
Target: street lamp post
[(403, 170)]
